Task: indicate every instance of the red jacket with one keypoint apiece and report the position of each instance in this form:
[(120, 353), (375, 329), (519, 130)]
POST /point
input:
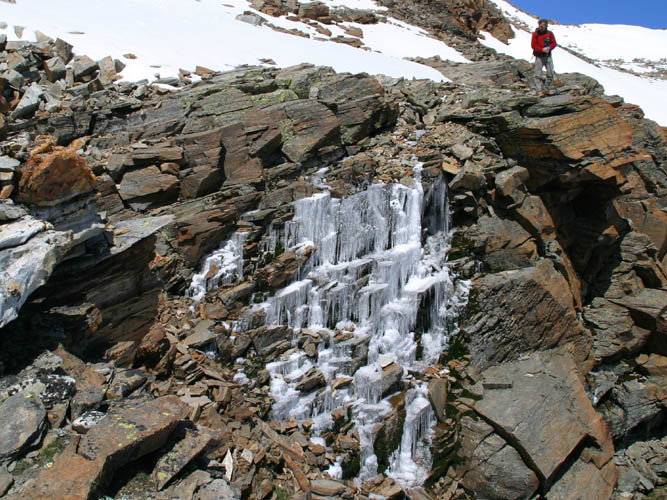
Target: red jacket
[(538, 42)]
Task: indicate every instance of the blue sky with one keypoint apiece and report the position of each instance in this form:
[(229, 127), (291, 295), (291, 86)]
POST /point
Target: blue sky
[(649, 13)]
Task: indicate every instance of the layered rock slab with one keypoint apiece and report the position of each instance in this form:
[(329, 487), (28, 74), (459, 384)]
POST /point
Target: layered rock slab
[(539, 407), (118, 439), (523, 310)]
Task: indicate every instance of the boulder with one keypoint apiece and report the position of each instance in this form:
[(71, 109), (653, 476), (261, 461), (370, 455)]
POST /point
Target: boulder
[(469, 178), (83, 66), (511, 183), (53, 175), (543, 412), (180, 455), (438, 389), (494, 469), (500, 242), (523, 310), (649, 310), (615, 334), (24, 421), (54, 68), (29, 102), (148, 187), (121, 437), (27, 267), (634, 404)]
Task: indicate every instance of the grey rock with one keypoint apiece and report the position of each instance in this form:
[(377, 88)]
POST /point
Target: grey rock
[(125, 382), (437, 395), (29, 102), (615, 333), (55, 69), (13, 78), (83, 66), (496, 471), (181, 454), (108, 73), (470, 178), (201, 335), (8, 164), (27, 267), (218, 489), (511, 183), (251, 18), (63, 50), (633, 403), (18, 232), (10, 212), (6, 481), (461, 151), (23, 420), (327, 487)]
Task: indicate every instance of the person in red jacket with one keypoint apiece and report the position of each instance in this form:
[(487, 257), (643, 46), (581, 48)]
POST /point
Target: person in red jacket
[(543, 43)]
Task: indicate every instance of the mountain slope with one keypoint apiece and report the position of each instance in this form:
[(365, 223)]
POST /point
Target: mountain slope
[(160, 37)]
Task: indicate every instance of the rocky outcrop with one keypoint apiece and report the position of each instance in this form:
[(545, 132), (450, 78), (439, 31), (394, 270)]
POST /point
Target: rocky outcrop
[(558, 208), (520, 437)]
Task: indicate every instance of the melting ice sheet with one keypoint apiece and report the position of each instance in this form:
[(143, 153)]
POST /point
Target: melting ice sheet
[(379, 272)]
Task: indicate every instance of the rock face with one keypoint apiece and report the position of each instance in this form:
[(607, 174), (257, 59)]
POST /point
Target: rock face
[(516, 450), (524, 310), (560, 246)]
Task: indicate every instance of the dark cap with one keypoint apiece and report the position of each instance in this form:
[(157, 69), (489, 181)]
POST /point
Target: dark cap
[(545, 21)]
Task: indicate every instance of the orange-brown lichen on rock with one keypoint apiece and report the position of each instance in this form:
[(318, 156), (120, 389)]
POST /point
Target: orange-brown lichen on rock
[(54, 174)]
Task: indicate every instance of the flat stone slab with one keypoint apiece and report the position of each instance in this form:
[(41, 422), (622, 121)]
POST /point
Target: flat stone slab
[(179, 456), (545, 412), (120, 438)]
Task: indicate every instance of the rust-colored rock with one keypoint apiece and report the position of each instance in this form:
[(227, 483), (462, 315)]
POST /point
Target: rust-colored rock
[(53, 175), (117, 440), (595, 130)]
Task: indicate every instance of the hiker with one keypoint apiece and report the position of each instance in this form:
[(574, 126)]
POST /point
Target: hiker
[(543, 43)]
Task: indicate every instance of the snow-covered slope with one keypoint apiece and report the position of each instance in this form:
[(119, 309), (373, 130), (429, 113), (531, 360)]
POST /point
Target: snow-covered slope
[(633, 48), (166, 35)]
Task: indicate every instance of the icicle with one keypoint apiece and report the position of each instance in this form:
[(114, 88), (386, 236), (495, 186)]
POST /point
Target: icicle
[(372, 274), (223, 266)]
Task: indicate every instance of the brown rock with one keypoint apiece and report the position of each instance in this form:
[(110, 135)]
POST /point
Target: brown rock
[(148, 187), (546, 414), (53, 175), (566, 137), (239, 167), (117, 440), (153, 346), (72, 477), (523, 310), (181, 454), (306, 126)]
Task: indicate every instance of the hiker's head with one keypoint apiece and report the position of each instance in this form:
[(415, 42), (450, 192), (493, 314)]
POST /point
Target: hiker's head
[(542, 24)]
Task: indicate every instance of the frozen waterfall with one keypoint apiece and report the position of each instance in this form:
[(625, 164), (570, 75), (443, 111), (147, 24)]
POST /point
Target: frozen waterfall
[(378, 275)]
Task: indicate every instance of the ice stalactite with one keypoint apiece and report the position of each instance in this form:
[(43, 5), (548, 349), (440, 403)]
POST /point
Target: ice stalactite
[(223, 266), (378, 273)]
